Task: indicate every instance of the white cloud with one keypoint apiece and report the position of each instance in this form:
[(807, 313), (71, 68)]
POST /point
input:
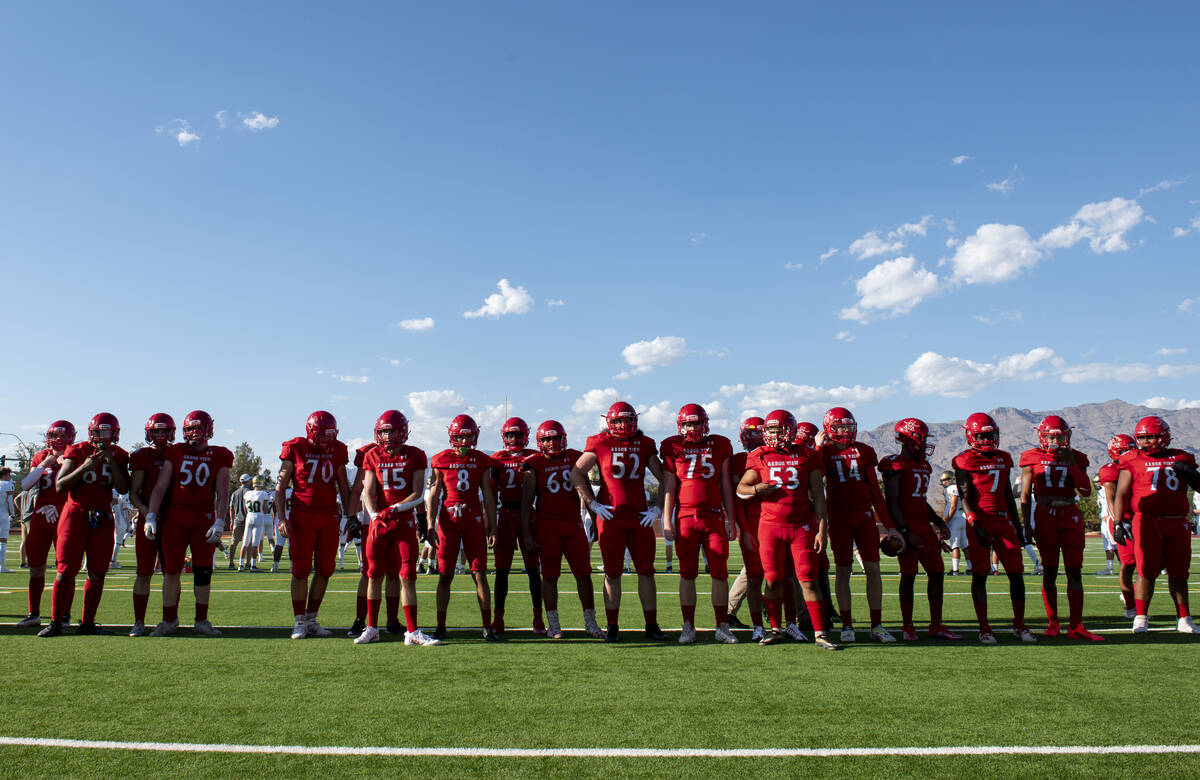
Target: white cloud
[(913, 228), (1193, 224), (595, 401), (960, 159), (180, 130), (555, 302), (643, 356), (416, 325), (1004, 186), (893, 287), (801, 400), (356, 380), (793, 266), (658, 418), (871, 244), (1179, 232), (564, 387), (995, 253), (1185, 305), (258, 121), (828, 253), (509, 300), (1159, 402), (844, 335), (1169, 351), (955, 377), (549, 380), (320, 371), (395, 361), (699, 238), (1123, 372), (222, 117), (1165, 184), (952, 242), (998, 317), (435, 403), (1104, 224)]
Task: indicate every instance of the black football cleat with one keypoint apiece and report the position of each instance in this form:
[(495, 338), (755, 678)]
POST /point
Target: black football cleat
[(91, 629), (489, 634), (439, 634), (735, 623), (774, 637), (54, 629), (356, 628), (396, 628), (614, 633), (656, 633)]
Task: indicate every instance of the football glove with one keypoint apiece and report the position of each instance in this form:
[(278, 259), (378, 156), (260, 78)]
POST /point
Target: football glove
[(602, 511), (650, 515), (150, 525), (50, 513), (214, 533), (1123, 532), (353, 528)]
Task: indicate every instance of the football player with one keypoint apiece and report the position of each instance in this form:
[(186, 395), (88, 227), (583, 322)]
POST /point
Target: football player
[(145, 463), (460, 474), (1153, 485), (393, 486), (558, 531), (624, 455), (1052, 474), (47, 508), (906, 480), (259, 504), (1109, 473), (985, 487), (392, 589), (954, 520), (855, 505), (695, 466), (515, 436), (746, 510), (786, 479), (314, 465), (196, 475), (87, 474)]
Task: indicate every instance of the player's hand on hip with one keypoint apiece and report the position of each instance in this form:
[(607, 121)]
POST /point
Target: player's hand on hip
[(650, 515), (602, 511)]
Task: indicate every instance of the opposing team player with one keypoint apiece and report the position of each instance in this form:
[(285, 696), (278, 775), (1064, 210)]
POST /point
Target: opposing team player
[(47, 509), (314, 465), (954, 520), (1052, 474), (515, 436), (392, 589), (624, 455), (1109, 473), (460, 475), (696, 481), (906, 481), (985, 487), (196, 476), (746, 511), (393, 486), (1153, 484), (145, 464), (855, 505), (259, 504), (87, 474), (786, 479), (552, 524)]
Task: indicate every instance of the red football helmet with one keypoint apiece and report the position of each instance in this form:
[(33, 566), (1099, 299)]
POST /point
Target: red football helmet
[(1054, 433), (806, 434), (464, 433), (840, 425), (751, 433), (622, 421), (551, 438), (1152, 434), (779, 429), (914, 434), (1119, 445), (391, 429), (515, 434), (983, 435), (692, 413), (321, 429), (160, 429), (60, 435), (104, 430), (197, 428)]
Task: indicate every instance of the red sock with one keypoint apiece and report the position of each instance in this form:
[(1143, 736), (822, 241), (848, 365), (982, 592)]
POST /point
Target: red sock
[(981, 615), (61, 596), (1075, 604), (906, 610), (1051, 602), (756, 618), (876, 617), (1019, 614), (393, 609), (537, 614), (1128, 599), (170, 613), (816, 613), (721, 613), (1142, 607), (774, 607), (847, 618), (789, 611), (486, 616), (37, 586), (611, 615), (1182, 609), (441, 620), (410, 617), (651, 615), (298, 607), (201, 611), (139, 606), (360, 608), (373, 613), (935, 613), (689, 613), (92, 590)]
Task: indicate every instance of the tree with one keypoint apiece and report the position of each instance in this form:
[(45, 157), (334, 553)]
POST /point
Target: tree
[(245, 462)]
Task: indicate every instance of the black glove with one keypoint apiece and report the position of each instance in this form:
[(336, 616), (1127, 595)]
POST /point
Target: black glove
[(1025, 534), (422, 528), (95, 518), (911, 542), (353, 528), (1123, 532)]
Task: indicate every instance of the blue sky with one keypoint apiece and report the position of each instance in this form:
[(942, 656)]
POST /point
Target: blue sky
[(235, 208)]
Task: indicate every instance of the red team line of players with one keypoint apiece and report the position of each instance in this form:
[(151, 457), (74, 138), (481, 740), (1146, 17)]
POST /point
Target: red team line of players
[(793, 493)]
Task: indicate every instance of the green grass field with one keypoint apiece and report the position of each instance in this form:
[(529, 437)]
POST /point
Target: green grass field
[(255, 686)]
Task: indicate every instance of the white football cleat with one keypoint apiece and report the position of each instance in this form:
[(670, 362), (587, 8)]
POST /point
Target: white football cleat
[(687, 636), (848, 634), (881, 634), (987, 638), (300, 629), (724, 636), (165, 628), (316, 629), (1186, 626), (419, 637), (1141, 624), (593, 628), (825, 643), (795, 633), (206, 628), (1024, 634), (369, 634), (138, 629), (553, 627), (758, 634), (1130, 614)]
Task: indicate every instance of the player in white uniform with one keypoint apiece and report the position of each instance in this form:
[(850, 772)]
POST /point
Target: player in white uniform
[(7, 510), (259, 504), (122, 510), (1196, 509), (277, 539), (1110, 544), (956, 521)]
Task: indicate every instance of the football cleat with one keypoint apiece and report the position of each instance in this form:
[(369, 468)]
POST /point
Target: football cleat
[(369, 634), (909, 634), (1141, 624), (881, 634), (439, 634), (419, 637), (773, 637), (943, 632), (91, 629), (1024, 634), (1052, 629), (539, 627), (735, 623), (554, 630), (313, 628), (165, 628), (1130, 614), (1186, 626), (793, 630), (848, 634), (724, 636), (356, 628), (489, 634), (300, 629), (590, 626), (687, 636), (758, 634), (396, 628), (614, 633), (138, 628), (30, 621), (824, 642), (987, 638), (206, 628), (54, 629), (654, 632), (1079, 632), (498, 623)]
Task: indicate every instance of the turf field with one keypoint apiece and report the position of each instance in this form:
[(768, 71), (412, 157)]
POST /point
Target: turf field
[(256, 687)]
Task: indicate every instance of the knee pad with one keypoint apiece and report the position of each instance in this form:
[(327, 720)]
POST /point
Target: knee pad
[(202, 575)]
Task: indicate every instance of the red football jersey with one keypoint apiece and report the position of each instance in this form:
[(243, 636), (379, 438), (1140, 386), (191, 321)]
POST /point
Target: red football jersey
[(622, 470), (748, 509), (556, 496), (94, 491), (149, 460), (990, 474), (462, 476), (788, 470), (47, 491), (850, 483), (194, 476), (512, 473), (1109, 472), (314, 481), (1157, 489), (396, 472), (697, 467), (1051, 476), (360, 456), (914, 482)]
